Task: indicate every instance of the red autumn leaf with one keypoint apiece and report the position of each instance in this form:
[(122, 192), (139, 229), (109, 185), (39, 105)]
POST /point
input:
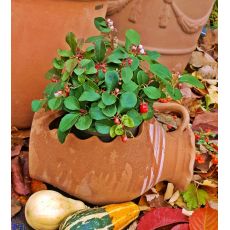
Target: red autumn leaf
[(161, 217), (204, 219), (181, 227), (15, 150), (18, 182)]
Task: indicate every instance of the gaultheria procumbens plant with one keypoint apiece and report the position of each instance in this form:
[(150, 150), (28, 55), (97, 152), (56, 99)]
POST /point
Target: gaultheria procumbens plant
[(107, 87)]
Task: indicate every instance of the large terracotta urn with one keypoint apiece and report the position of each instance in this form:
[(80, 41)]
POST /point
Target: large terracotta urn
[(171, 27), (38, 29), (103, 173)]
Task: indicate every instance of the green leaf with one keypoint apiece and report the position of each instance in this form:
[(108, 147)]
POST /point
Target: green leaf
[(101, 25), (161, 71), (79, 71), (194, 197), (137, 118), (83, 122), (51, 88), (96, 113), (65, 76), (110, 110), (131, 86), (65, 53), (112, 131), (126, 74), (58, 63), (100, 50), (116, 55), (55, 103), (51, 73), (103, 126), (89, 96), (92, 70), (111, 79), (94, 39), (142, 77), (82, 79), (101, 105), (189, 79), (37, 105), (92, 84), (119, 130), (135, 63), (71, 103), (70, 64), (62, 135), (72, 41), (154, 55), (152, 92), (174, 92), (108, 99), (127, 121), (68, 121), (132, 38), (128, 100), (86, 63)]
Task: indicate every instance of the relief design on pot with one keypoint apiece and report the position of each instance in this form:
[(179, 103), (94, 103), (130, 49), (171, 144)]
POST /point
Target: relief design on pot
[(187, 24), (101, 173)]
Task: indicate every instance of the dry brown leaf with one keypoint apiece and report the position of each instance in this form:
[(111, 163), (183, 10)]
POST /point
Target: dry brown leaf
[(213, 204), (206, 120), (15, 150), (209, 183), (180, 202), (161, 187), (174, 197), (169, 191), (158, 202), (15, 206), (187, 212), (22, 134), (212, 192)]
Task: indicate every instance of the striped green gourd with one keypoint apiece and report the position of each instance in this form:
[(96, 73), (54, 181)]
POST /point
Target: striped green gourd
[(109, 217)]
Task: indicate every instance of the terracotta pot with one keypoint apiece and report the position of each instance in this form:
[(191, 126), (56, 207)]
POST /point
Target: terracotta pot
[(38, 30), (102, 173), (171, 27)]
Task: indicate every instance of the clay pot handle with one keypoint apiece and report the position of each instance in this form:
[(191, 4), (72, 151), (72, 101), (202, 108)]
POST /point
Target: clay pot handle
[(174, 107)]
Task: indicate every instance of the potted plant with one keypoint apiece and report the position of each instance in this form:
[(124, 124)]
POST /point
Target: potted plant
[(108, 90)]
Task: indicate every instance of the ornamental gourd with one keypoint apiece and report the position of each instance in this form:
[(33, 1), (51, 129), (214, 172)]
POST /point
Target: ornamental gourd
[(113, 216), (46, 209)]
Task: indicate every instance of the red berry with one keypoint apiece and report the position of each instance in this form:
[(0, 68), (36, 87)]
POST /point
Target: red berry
[(117, 121), (197, 136), (124, 138), (130, 61), (143, 107), (169, 126), (200, 159), (54, 80), (162, 100), (214, 159)]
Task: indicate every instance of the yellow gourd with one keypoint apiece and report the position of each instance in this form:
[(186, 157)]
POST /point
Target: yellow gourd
[(46, 209)]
